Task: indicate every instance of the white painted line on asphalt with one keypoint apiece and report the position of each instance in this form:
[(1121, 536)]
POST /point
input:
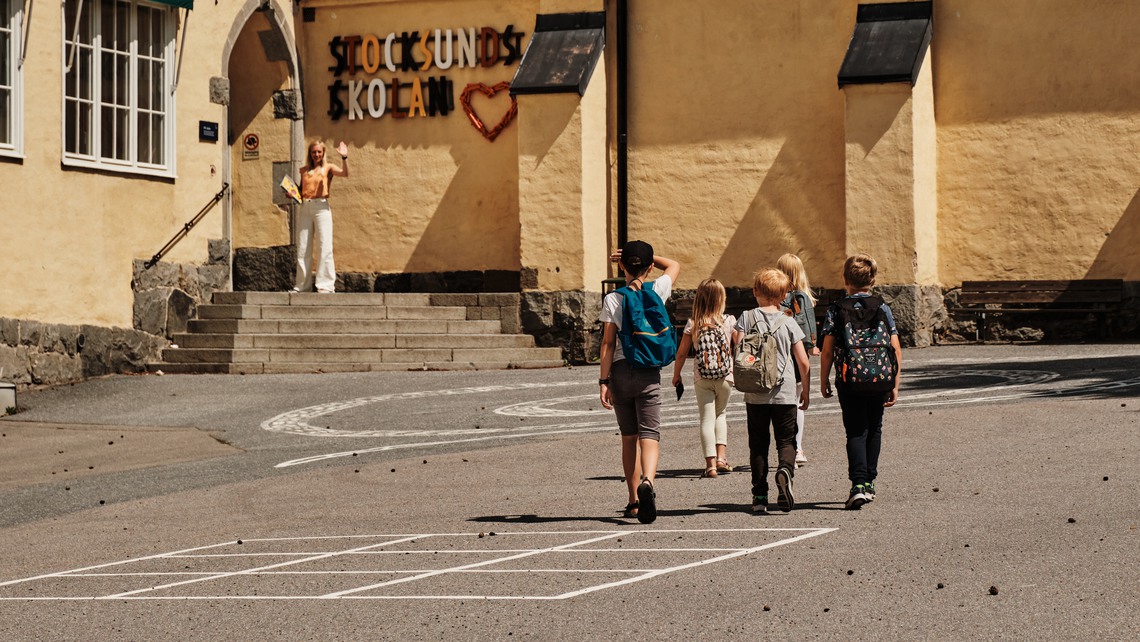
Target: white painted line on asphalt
[(405, 576)]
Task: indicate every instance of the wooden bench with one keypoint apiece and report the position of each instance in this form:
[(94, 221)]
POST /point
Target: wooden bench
[(1089, 296)]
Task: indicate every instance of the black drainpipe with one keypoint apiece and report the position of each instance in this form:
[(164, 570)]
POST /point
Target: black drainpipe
[(622, 122)]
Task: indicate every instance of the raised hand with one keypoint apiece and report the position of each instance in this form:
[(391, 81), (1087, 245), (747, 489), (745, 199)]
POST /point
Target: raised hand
[(342, 149)]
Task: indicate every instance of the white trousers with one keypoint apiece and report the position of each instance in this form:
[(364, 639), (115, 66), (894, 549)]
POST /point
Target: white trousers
[(712, 400), (315, 219)]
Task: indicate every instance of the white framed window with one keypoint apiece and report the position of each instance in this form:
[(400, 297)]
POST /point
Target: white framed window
[(11, 78), (118, 107)]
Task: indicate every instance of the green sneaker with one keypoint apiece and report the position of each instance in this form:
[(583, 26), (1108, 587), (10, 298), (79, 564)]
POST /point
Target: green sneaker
[(857, 498), (869, 491), (759, 504)]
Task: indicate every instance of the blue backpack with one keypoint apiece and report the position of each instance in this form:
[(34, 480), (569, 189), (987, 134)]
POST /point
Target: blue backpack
[(646, 333)]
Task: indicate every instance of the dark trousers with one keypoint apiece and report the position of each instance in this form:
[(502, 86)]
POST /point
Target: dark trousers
[(783, 421), (863, 422)]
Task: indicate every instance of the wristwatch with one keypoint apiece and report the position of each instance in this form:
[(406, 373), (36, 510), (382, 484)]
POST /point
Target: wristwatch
[(604, 382)]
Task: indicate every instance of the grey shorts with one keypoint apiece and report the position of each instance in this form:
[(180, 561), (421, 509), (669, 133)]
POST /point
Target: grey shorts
[(637, 400)]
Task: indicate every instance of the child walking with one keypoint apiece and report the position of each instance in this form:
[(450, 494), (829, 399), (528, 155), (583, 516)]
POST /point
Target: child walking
[(800, 305), (860, 338), (634, 393), (711, 331), (777, 405)]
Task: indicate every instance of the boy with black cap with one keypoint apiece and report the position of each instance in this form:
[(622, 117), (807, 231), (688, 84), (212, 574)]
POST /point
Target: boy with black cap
[(634, 394)]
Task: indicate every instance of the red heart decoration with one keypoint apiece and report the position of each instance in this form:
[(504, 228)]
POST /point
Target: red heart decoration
[(465, 100)]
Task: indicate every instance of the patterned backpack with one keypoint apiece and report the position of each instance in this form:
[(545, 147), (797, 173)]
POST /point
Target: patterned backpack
[(714, 359), (865, 362)]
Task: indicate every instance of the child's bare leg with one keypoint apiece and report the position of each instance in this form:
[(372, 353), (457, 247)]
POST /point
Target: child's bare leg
[(630, 465), (650, 449)]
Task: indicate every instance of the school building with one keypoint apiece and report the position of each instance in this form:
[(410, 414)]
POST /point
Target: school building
[(507, 147)]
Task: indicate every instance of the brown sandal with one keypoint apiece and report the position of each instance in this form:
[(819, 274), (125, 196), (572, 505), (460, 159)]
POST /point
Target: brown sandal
[(722, 466), (709, 472)]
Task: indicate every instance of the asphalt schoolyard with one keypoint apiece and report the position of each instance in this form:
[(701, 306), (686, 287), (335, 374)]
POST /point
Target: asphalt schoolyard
[(487, 504)]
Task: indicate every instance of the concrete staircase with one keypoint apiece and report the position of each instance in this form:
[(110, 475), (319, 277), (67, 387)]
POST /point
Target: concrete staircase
[(282, 332)]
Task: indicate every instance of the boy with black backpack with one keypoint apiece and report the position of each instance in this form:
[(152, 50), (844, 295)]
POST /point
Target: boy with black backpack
[(637, 341), (763, 371), (860, 338)]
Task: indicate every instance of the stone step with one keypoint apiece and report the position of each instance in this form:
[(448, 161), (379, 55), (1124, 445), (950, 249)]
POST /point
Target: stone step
[(278, 312), (311, 368), (337, 326), (368, 341), (337, 355), (398, 299)]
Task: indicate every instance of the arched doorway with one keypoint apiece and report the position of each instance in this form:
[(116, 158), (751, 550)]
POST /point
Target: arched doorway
[(263, 126)]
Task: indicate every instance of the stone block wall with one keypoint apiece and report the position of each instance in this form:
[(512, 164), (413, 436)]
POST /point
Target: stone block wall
[(167, 295), (35, 353)]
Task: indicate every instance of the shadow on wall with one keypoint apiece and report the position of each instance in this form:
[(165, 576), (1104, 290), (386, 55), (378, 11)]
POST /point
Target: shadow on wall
[(254, 81), (1117, 258), (781, 218)]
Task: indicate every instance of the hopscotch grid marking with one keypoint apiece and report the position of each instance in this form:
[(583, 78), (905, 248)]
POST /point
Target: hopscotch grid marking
[(508, 558), (414, 575), (250, 571)]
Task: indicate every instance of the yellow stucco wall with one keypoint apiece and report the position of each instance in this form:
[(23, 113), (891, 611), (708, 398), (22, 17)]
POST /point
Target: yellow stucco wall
[(1038, 145), (736, 134), (71, 235), (427, 193)]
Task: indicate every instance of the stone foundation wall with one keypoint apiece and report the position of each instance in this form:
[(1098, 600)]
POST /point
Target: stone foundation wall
[(35, 353), (167, 295), (569, 320), (1122, 325)]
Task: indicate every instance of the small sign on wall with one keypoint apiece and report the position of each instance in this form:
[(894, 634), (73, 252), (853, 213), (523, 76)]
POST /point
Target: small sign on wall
[(249, 146), (207, 131)]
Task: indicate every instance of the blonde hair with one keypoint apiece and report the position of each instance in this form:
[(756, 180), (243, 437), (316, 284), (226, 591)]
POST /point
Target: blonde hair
[(771, 284), (309, 153), (708, 306), (791, 265), (859, 271)]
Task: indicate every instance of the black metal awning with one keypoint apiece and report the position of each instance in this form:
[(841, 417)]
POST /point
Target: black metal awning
[(181, 4), (888, 44), (561, 55)]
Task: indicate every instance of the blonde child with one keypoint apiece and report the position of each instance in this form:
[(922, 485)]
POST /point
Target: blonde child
[(777, 406), (800, 305), (710, 329)]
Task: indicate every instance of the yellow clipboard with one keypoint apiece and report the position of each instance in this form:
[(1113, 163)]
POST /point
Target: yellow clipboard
[(291, 189)]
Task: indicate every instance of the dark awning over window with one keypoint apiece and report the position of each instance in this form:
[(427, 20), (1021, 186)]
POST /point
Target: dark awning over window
[(561, 54), (888, 44), (182, 4)]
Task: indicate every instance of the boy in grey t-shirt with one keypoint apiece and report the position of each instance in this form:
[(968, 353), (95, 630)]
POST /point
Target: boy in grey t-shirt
[(778, 406)]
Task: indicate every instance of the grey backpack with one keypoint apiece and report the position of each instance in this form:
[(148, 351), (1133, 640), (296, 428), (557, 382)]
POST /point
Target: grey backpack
[(756, 368)]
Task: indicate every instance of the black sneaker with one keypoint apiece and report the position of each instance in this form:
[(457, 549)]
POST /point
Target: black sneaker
[(784, 484), (869, 491), (856, 499), (646, 503), (760, 504)]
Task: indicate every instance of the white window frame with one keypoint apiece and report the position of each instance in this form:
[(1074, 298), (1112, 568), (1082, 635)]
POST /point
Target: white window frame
[(13, 58), (94, 159)]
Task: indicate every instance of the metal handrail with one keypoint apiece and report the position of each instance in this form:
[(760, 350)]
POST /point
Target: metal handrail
[(187, 227)]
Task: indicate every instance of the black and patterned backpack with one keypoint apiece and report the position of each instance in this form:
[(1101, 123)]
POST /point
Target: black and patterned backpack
[(864, 358), (714, 357)]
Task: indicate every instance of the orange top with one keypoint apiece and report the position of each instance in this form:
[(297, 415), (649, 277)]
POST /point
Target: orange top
[(315, 182)]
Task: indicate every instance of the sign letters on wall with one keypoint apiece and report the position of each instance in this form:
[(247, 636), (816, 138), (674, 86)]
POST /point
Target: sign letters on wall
[(357, 91)]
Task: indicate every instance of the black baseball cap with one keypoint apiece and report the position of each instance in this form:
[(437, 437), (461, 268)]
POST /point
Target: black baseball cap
[(637, 256)]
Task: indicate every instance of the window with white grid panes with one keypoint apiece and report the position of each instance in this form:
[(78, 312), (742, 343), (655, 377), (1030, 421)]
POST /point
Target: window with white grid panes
[(117, 103), (11, 100)]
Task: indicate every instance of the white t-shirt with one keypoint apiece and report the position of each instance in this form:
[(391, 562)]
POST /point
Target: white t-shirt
[(611, 307), (789, 334), (728, 326)]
